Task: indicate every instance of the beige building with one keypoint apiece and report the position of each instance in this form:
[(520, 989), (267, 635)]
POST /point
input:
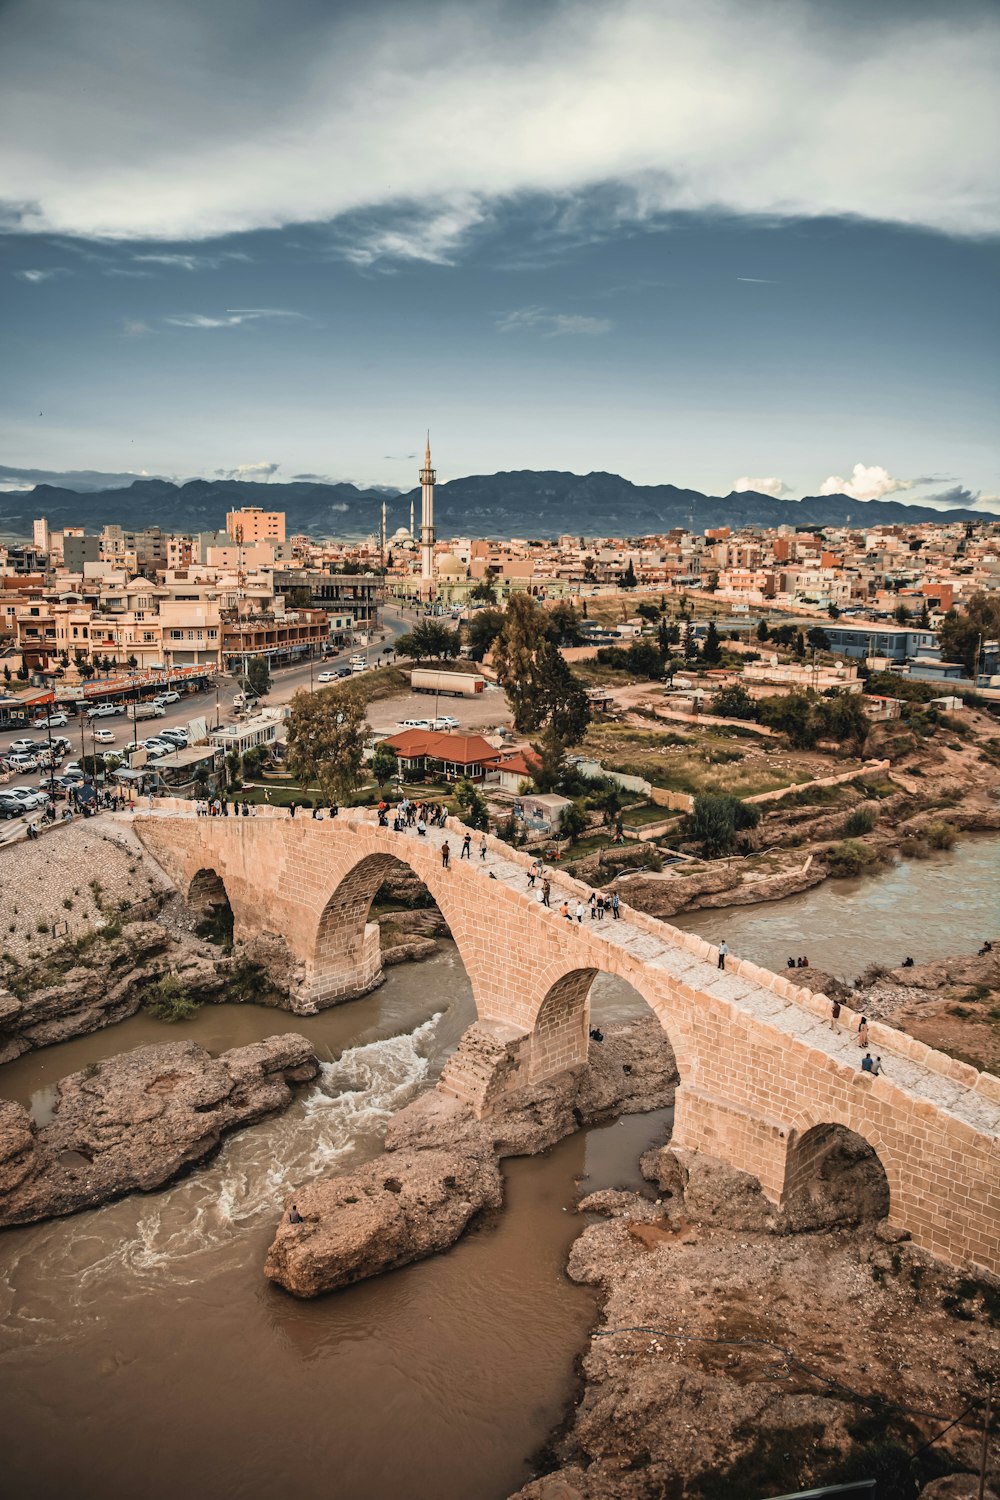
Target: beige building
[(251, 524)]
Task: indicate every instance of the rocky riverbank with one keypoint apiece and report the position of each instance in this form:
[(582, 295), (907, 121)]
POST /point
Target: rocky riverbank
[(138, 1120), (953, 1004), (742, 1351), (441, 1165)]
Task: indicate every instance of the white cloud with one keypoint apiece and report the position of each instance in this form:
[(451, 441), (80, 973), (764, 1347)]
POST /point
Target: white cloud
[(549, 324), (260, 471), (231, 318), (867, 482), (134, 329), (36, 276), (149, 123), (176, 261), (776, 487)]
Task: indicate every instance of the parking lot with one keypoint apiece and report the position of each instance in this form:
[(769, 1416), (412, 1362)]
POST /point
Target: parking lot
[(112, 733)]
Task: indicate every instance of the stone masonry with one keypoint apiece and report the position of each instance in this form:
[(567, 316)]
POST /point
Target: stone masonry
[(760, 1064)]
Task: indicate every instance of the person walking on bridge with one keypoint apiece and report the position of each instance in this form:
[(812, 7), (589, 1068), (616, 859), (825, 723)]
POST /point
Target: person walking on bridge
[(546, 892), (615, 904), (723, 950), (483, 849), (445, 855), (466, 847)]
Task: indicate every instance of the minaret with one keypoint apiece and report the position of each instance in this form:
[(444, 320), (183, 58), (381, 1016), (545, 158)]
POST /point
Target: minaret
[(427, 477), (412, 532)]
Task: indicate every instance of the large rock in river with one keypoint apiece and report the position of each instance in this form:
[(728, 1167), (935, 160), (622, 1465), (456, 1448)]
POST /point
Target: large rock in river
[(135, 1121), (399, 1208)]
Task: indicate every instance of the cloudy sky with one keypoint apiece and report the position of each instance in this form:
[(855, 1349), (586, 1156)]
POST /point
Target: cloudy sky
[(706, 242)]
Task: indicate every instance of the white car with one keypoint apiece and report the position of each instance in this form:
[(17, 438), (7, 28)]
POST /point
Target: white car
[(164, 698), (21, 747), (54, 721), (327, 677), (445, 721), (104, 710), (32, 800), (104, 736)]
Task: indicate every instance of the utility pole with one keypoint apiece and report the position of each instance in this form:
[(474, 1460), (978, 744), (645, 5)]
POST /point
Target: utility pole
[(986, 1435)]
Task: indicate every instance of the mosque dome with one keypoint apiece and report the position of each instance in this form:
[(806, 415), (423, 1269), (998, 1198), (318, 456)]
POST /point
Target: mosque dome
[(449, 565)]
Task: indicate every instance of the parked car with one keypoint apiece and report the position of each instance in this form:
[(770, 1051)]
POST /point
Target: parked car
[(244, 700), (164, 698), (21, 747), (156, 748), (10, 807), (54, 721), (178, 737), (29, 799), (73, 769), (328, 676), (104, 710), (445, 721), (104, 736)]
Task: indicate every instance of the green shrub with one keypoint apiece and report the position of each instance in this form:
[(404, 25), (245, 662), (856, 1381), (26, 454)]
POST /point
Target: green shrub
[(861, 821), (166, 999), (851, 858), (248, 983), (913, 847), (940, 834)]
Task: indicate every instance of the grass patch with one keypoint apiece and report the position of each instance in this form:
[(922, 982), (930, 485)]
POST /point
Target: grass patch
[(695, 763)]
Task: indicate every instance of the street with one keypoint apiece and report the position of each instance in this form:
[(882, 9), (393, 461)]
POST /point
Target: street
[(214, 705)]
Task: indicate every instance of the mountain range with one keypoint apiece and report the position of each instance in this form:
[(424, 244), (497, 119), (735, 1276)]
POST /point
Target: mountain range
[(527, 502)]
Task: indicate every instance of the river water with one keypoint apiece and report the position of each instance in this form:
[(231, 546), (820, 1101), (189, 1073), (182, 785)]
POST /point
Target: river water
[(922, 908), (142, 1351)]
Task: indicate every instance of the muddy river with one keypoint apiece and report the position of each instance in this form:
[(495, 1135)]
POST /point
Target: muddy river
[(142, 1351)]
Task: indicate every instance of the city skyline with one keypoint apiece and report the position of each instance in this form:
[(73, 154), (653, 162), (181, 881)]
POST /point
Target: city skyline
[(687, 245)]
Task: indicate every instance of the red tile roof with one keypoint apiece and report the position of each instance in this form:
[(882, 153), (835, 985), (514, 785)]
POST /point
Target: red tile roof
[(460, 749)]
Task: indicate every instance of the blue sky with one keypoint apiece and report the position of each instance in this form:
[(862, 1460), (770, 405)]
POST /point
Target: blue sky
[(706, 244)]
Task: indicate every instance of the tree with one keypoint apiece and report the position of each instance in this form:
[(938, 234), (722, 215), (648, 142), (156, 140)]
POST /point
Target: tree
[(716, 819), (259, 676), (429, 640), (540, 688), (482, 630), (550, 768), (791, 715), (573, 822), (925, 616), (960, 632), (384, 764), (7, 674), (734, 702), (132, 663), (712, 583), (800, 643), (833, 612), (901, 614), (563, 701), (472, 805), (252, 761), (628, 579), (589, 575), (485, 591), (563, 625), (327, 731), (299, 598), (647, 611), (233, 768), (763, 633), (712, 646), (818, 638), (843, 718)]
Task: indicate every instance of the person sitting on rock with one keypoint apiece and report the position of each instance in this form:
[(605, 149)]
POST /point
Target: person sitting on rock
[(907, 962), (876, 1067), (866, 1063), (294, 1217), (596, 1034)]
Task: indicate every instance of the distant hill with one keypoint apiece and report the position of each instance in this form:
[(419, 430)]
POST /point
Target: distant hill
[(526, 502)]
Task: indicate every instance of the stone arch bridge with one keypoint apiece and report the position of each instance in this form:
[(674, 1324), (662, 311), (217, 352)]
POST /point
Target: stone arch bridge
[(763, 1071)]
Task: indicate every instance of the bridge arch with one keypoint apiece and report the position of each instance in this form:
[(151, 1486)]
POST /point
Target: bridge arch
[(836, 1174), (208, 897), (560, 1023), (346, 954)]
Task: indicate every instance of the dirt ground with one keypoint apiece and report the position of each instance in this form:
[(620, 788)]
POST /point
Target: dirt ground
[(734, 1358)]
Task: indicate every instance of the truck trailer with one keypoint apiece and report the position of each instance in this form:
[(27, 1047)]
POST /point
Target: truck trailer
[(458, 684)]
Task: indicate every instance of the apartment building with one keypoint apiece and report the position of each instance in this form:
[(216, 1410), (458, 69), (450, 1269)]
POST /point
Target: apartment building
[(252, 524)]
